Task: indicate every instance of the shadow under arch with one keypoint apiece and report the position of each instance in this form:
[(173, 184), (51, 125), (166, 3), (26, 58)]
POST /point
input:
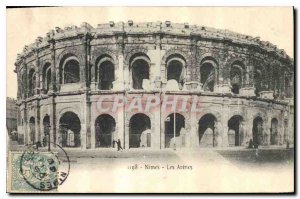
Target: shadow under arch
[(169, 130), (206, 130), (139, 134), (105, 126), (69, 130)]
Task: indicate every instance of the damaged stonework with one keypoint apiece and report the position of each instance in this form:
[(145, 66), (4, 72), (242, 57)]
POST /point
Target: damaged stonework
[(244, 87)]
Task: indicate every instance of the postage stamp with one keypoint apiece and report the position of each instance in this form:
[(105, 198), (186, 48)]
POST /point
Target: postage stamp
[(37, 171)]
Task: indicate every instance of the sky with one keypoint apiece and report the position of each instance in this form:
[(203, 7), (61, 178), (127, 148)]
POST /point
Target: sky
[(273, 24)]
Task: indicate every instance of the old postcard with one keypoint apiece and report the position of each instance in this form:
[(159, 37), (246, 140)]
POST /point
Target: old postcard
[(150, 100)]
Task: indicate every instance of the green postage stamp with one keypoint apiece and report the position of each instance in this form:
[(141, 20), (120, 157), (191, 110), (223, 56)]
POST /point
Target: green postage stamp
[(32, 171)]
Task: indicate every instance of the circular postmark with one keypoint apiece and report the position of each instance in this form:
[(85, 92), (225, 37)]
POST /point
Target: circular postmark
[(45, 170)]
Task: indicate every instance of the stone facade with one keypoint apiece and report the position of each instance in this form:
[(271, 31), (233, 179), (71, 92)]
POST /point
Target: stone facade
[(245, 86), (11, 114)]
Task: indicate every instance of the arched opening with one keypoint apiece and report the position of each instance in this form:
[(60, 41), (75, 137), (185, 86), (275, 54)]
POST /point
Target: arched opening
[(71, 70), (235, 136), (104, 130), (47, 77), (139, 131), (176, 70), (140, 66), (236, 77), (69, 130), (206, 131), (274, 132), (257, 82), (257, 131), (32, 81), (106, 75), (208, 74), (169, 130), (46, 127), (32, 129)]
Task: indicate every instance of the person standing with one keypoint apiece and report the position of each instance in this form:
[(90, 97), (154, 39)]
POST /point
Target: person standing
[(119, 145)]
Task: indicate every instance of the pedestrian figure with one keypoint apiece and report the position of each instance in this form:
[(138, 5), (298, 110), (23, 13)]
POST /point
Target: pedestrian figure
[(114, 142), (44, 141), (250, 144), (38, 144), (256, 152), (119, 145)]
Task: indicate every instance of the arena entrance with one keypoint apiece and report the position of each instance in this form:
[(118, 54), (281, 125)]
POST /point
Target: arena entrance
[(206, 131), (274, 132), (169, 131), (139, 131), (104, 129), (69, 130), (257, 131), (32, 129), (235, 138)]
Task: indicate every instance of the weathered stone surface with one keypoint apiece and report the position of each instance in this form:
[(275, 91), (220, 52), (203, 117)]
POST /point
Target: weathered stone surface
[(202, 62)]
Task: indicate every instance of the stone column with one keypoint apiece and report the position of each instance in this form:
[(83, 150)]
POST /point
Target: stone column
[(192, 82), (121, 72), (266, 131), (248, 88), (126, 130), (37, 74), (25, 125), (85, 123), (83, 61), (57, 138), (25, 86), (84, 127), (37, 122), (243, 131), (285, 129), (222, 77), (222, 84), (93, 136), (28, 82), (93, 83), (155, 57), (292, 88), (88, 61), (267, 91), (194, 135), (54, 125), (19, 79), (87, 95), (248, 126), (291, 124), (52, 86), (224, 122), (155, 128), (121, 130), (162, 126)]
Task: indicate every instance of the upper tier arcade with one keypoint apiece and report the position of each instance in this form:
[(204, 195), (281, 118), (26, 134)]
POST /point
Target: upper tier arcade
[(120, 56)]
